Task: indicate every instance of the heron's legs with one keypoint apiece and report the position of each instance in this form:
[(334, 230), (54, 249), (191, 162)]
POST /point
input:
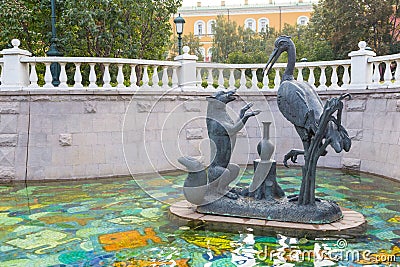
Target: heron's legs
[(292, 155), (293, 198)]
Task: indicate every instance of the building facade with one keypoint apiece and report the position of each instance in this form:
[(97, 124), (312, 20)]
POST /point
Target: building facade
[(258, 17)]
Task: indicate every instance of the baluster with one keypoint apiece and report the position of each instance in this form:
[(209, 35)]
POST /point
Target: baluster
[(133, 78), (92, 76), (63, 76), (78, 76), (199, 78), (334, 79), (106, 76), (388, 73), (376, 76), (300, 74), (397, 73), (155, 80), (346, 76), (322, 79), (265, 81), (277, 79), (210, 80), (175, 78), (231, 79), (221, 79), (145, 78), (47, 76), (164, 78), (1, 73), (242, 79), (254, 80), (33, 78), (311, 78), (120, 77)]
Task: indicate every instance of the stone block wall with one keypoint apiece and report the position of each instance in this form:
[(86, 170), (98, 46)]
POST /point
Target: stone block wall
[(89, 134)]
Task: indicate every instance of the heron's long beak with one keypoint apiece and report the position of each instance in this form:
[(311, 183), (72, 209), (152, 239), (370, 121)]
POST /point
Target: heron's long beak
[(272, 59)]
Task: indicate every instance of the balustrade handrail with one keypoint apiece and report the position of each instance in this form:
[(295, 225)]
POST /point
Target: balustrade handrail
[(384, 58), (98, 60), (276, 65)]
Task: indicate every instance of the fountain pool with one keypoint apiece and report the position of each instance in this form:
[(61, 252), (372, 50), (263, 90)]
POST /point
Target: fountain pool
[(116, 223)]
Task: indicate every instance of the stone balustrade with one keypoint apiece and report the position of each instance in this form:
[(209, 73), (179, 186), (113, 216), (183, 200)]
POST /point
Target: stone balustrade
[(232, 76), (386, 71), (155, 75), (20, 71)]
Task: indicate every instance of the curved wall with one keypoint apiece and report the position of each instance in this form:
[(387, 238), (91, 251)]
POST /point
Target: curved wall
[(84, 134)]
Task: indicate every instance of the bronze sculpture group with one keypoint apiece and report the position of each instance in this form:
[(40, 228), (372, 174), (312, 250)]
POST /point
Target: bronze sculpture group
[(316, 125)]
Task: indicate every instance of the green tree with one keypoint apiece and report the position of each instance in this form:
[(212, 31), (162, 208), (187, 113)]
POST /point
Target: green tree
[(253, 47), (344, 23), (24, 20), (233, 44), (226, 39), (101, 28), (118, 28), (308, 46), (194, 43)]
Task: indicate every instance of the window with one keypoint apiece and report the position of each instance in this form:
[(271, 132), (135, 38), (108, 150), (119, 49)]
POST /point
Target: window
[(199, 28), (250, 24), (263, 24), (210, 24), (302, 20)]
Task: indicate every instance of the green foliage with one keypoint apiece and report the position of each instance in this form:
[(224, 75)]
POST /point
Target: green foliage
[(101, 28), (118, 28), (25, 21), (226, 39), (308, 46), (194, 43), (343, 24), (237, 45)]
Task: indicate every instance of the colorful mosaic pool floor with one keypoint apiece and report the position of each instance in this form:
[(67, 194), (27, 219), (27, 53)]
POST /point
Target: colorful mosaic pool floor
[(116, 223)]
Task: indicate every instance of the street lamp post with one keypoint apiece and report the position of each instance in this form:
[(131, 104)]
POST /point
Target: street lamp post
[(179, 21), (53, 51)]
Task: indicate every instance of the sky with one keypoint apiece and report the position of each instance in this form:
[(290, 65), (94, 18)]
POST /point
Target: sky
[(237, 2)]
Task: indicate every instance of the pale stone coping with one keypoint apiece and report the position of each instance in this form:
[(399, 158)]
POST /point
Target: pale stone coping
[(128, 91), (384, 58), (351, 219), (99, 60), (313, 64)]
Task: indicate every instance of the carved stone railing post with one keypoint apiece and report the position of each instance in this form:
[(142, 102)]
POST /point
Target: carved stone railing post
[(187, 79), (15, 75), (361, 69)]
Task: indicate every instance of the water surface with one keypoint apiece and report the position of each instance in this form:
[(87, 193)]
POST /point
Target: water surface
[(116, 223)]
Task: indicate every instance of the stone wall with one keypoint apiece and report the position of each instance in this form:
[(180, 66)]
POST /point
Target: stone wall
[(87, 134)]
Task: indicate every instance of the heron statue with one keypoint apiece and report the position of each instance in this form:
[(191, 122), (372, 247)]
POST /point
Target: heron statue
[(315, 123)]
